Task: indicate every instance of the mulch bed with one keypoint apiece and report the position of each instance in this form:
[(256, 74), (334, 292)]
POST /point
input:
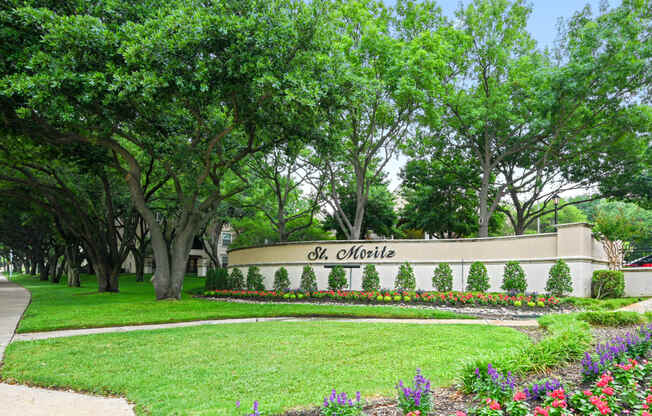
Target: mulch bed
[(448, 400)]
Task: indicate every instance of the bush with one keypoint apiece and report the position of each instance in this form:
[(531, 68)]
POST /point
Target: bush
[(217, 279), (559, 279), (308, 280), (442, 280), (608, 284), (615, 319), (405, 278), (254, 279), (236, 281), (370, 279), (337, 278), (514, 278), (478, 280), (281, 280)]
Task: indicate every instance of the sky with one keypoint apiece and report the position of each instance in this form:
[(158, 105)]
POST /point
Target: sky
[(542, 26)]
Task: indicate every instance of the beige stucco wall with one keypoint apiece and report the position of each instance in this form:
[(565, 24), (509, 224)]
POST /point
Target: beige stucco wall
[(573, 243), (638, 281)]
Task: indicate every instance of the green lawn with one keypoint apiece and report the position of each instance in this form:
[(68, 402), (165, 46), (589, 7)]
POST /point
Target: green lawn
[(60, 307), (591, 304), (204, 370)]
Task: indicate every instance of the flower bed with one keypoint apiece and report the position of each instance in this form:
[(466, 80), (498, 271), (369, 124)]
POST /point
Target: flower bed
[(469, 299)]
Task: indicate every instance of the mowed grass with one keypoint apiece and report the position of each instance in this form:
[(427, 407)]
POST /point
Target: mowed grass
[(204, 370), (60, 307)]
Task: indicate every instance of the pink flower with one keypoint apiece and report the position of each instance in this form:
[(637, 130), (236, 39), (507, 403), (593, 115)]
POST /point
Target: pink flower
[(520, 395)]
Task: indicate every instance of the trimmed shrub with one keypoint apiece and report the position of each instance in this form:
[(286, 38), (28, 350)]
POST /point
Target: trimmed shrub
[(615, 318), (514, 278), (370, 279), (217, 279), (405, 278), (281, 280), (236, 281), (559, 279), (608, 284), (308, 280), (478, 280), (442, 280), (337, 278), (254, 279)]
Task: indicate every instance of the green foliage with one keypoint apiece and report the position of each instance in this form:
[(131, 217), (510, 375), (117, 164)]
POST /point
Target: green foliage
[(514, 278), (217, 279), (566, 341), (405, 279), (442, 279), (478, 279), (255, 279), (559, 279), (308, 280), (337, 278), (607, 284), (281, 280), (370, 278), (613, 318), (236, 281), (591, 304)]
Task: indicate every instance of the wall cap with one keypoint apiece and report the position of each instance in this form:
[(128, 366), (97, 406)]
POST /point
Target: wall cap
[(574, 224)]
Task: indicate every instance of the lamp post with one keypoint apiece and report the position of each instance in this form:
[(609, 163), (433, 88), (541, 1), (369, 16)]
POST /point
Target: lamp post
[(555, 199)]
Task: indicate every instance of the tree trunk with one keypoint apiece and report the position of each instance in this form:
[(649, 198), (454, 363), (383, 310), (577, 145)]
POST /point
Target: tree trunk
[(43, 271), (32, 267), (73, 276), (140, 265), (107, 277)]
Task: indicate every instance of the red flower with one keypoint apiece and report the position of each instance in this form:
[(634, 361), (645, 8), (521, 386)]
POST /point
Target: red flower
[(541, 411), (608, 391), (558, 394), (519, 396), (588, 393)]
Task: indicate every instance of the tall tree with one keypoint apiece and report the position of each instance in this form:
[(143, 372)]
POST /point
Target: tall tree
[(385, 67), (529, 119), (197, 85)]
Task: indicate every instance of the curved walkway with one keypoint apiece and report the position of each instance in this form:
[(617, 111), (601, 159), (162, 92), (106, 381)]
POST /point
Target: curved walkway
[(27, 401)]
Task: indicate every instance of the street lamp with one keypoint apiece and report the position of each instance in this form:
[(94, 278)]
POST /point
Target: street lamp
[(555, 199)]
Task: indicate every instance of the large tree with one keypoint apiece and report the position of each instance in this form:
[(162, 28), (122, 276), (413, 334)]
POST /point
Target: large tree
[(385, 66), (529, 119), (197, 85)]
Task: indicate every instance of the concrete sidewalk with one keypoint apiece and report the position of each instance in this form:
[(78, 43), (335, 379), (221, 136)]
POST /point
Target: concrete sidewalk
[(31, 336), (640, 307), (13, 302), (18, 400)]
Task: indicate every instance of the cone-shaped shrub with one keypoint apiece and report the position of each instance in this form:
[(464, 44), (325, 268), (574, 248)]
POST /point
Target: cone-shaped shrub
[(254, 279), (281, 280), (337, 278), (442, 280), (514, 278), (308, 280), (559, 279), (478, 280), (370, 279), (405, 278), (236, 281), (217, 279)]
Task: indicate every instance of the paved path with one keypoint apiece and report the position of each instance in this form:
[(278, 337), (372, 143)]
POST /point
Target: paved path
[(640, 307), (18, 400), (31, 336)]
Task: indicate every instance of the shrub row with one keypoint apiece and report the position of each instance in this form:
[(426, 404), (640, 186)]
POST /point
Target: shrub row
[(514, 279)]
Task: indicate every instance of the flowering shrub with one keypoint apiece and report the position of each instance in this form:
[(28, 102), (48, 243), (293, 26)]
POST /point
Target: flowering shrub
[(431, 298), (541, 388), (608, 353), (341, 405), (417, 398), (490, 382)]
